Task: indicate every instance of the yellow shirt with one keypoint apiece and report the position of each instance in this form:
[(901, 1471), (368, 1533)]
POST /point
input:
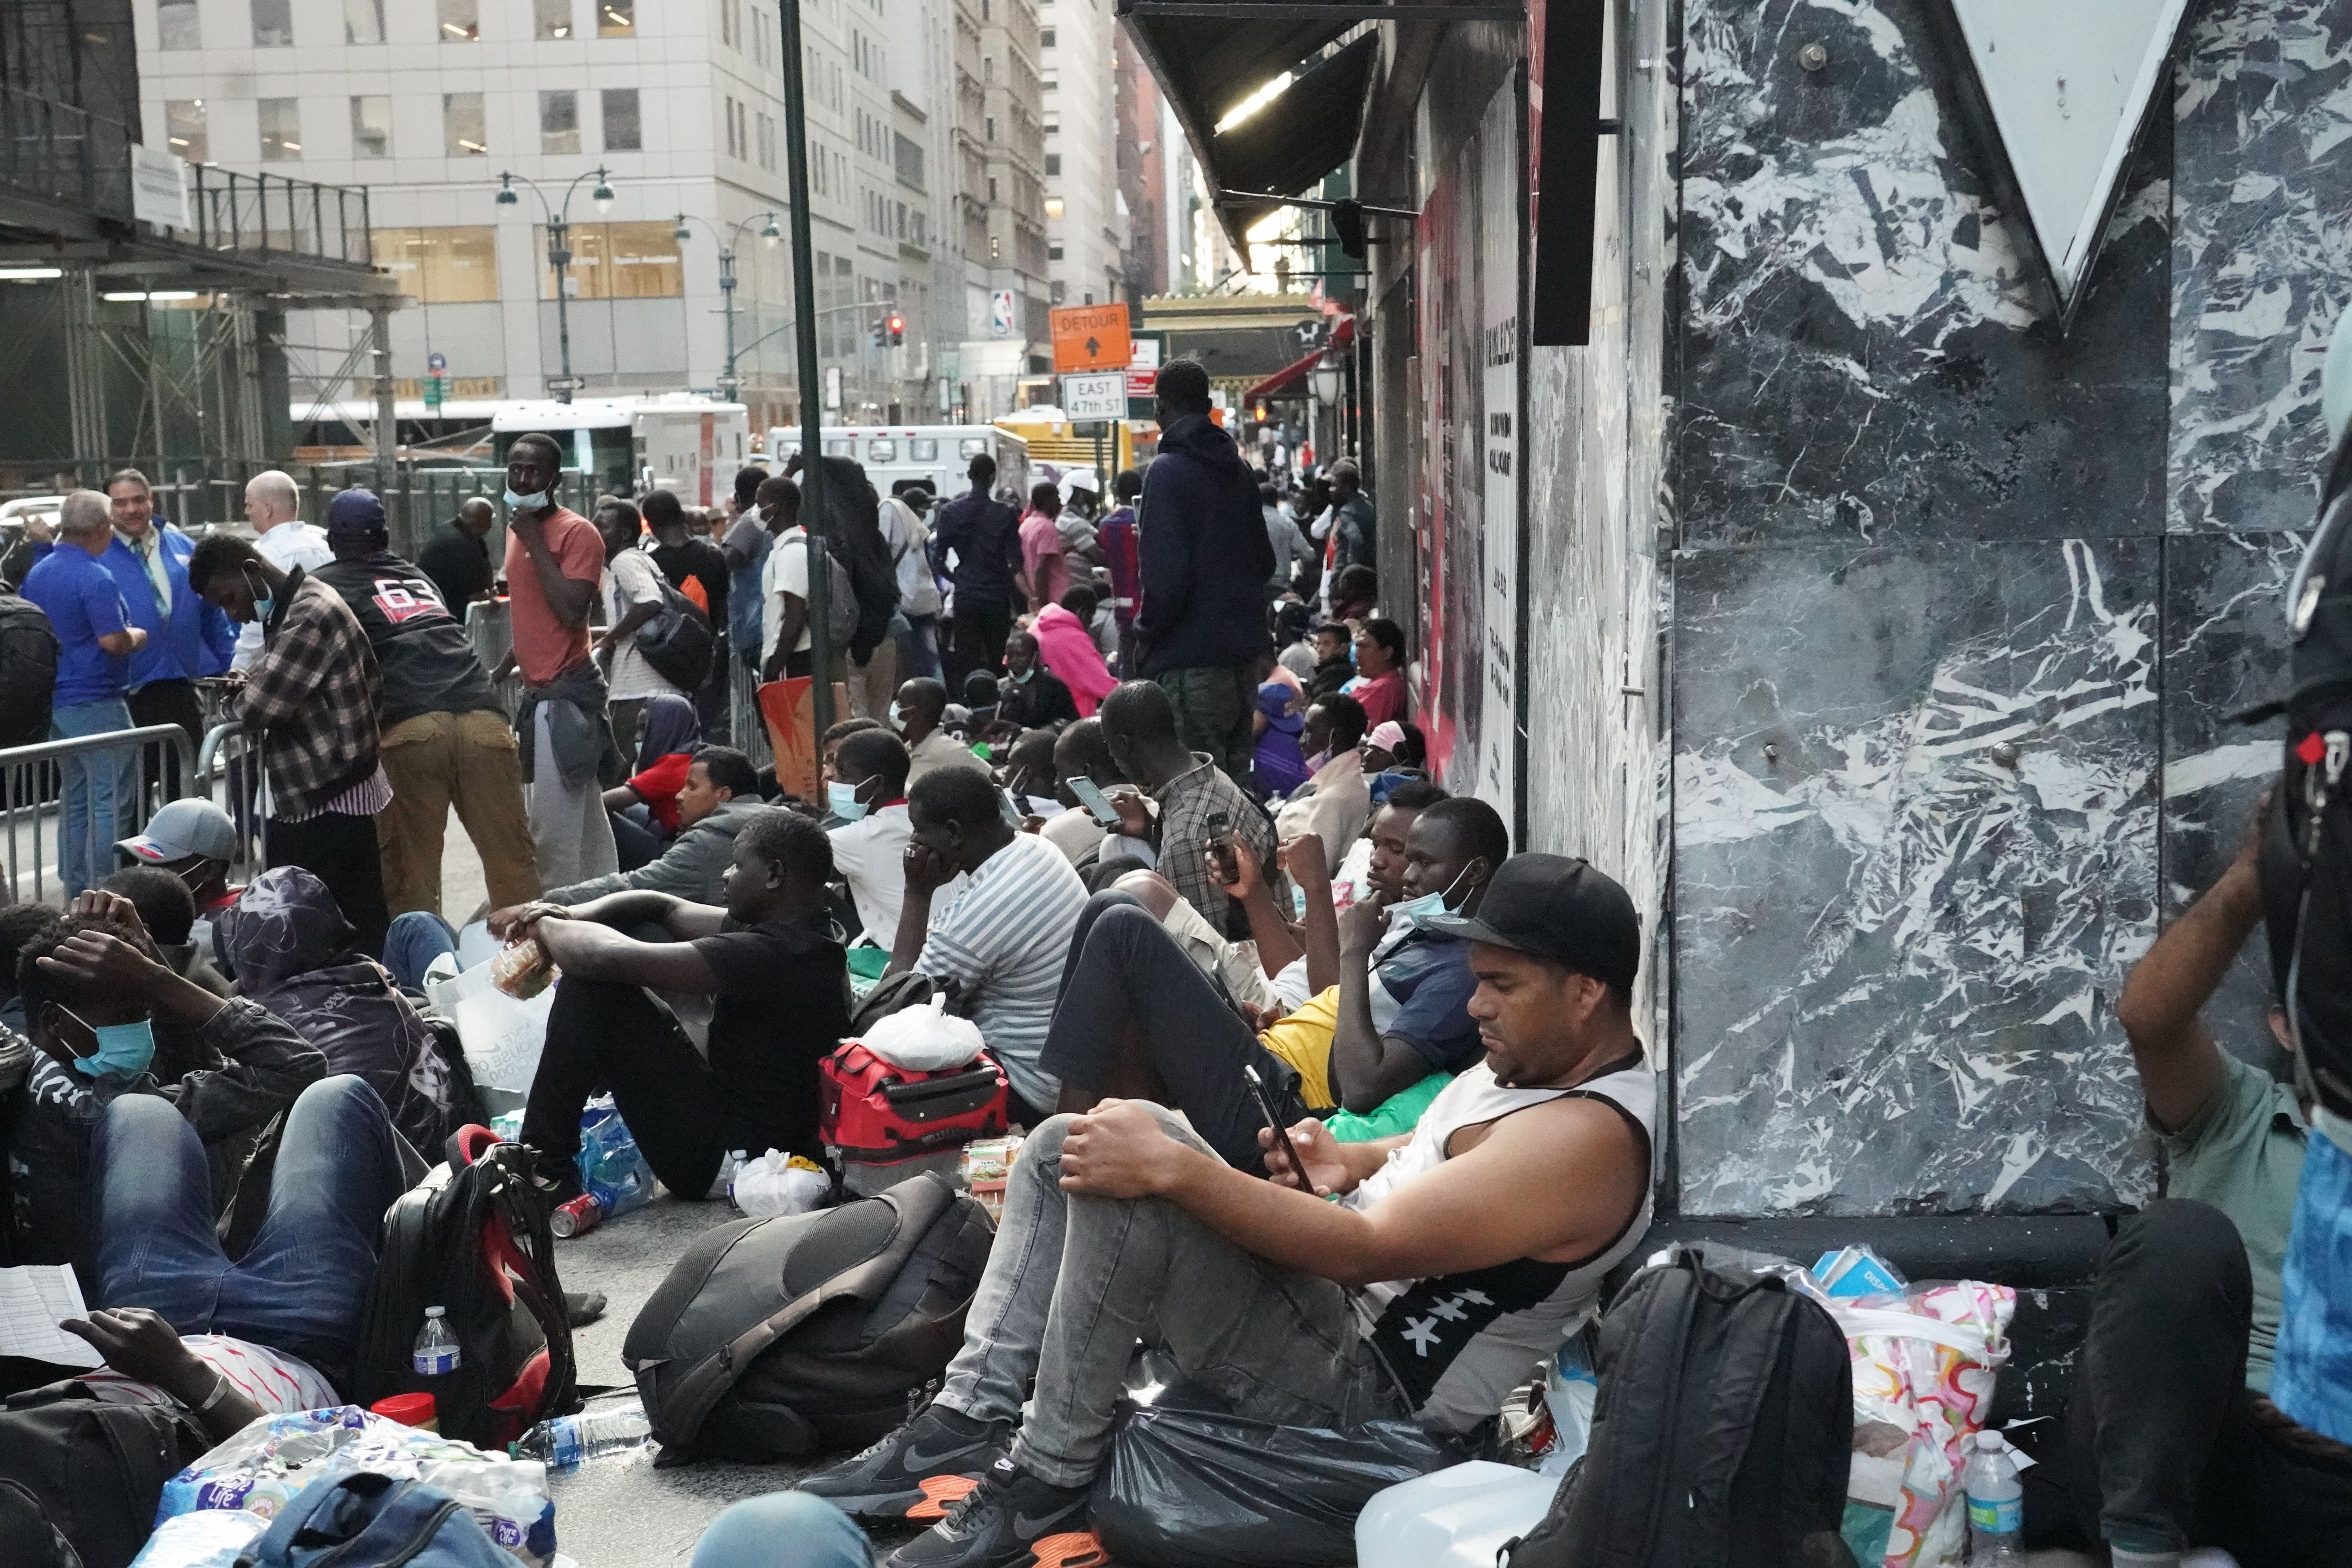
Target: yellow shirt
[(1302, 1039)]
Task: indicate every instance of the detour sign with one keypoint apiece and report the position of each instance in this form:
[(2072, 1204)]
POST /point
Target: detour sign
[(1090, 337)]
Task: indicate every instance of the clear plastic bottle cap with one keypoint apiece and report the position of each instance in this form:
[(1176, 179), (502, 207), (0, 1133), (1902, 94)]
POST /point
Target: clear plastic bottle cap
[(1987, 1440)]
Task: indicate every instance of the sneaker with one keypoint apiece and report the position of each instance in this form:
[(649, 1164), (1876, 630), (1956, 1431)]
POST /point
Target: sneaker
[(913, 1474), (1011, 1520)]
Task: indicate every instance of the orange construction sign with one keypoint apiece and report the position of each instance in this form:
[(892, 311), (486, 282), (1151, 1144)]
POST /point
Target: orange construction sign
[(1090, 337)]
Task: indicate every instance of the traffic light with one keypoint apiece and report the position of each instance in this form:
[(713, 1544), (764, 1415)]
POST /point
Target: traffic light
[(894, 330)]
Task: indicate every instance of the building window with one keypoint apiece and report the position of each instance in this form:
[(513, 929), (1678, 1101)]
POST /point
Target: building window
[(183, 129), (559, 122), (1053, 207), (441, 266), (616, 18), (623, 132), (730, 24), (552, 18), (1060, 291), (372, 126), (1053, 162), (907, 153), (281, 130), (463, 134), (767, 141), (363, 21), (176, 25), (461, 23), (1053, 253), (620, 261), (992, 128), (273, 24), (1045, 39), (991, 187)]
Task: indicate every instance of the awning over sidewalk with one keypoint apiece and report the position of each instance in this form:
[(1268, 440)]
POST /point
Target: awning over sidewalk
[(1290, 376), (1208, 64)]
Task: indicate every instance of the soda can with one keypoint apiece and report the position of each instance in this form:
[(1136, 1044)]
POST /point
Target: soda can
[(581, 1215)]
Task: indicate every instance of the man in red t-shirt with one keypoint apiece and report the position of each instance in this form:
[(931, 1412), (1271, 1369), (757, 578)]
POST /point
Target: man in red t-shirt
[(555, 562)]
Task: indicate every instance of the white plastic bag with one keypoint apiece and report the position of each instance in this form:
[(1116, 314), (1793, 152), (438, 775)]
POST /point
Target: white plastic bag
[(501, 1037), (211, 1539), (925, 1039), (777, 1183)]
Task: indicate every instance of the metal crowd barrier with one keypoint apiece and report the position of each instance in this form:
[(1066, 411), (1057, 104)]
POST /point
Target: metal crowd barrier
[(228, 773), (32, 794)]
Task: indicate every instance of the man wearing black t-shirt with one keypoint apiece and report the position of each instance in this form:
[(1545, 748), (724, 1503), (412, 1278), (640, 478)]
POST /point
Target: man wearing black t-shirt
[(772, 960), (447, 740), (457, 558)]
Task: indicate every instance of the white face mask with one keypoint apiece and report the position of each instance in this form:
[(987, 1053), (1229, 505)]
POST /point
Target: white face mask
[(538, 500), (897, 717)]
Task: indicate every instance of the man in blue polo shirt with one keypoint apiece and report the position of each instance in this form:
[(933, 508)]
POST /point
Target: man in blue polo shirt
[(96, 639)]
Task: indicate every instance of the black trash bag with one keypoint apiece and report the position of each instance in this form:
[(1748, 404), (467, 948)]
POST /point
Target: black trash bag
[(1193, 1488)]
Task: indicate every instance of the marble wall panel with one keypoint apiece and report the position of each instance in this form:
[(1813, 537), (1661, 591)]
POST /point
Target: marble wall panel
[(1897, 945), (1861, 355), (2261, 255)]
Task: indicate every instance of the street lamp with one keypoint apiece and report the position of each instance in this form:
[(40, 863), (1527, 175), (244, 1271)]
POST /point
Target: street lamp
[(559, 253), (728, 384), (1325, 378)]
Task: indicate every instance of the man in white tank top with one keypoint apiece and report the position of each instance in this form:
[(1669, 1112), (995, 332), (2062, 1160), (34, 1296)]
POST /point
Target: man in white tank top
[(1429, 1272)]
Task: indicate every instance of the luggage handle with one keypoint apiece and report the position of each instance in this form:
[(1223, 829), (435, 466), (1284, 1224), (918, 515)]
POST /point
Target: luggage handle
[(962, 1082)]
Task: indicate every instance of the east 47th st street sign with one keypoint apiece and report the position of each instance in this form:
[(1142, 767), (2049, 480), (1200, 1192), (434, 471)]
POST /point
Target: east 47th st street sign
[(1090, 337)]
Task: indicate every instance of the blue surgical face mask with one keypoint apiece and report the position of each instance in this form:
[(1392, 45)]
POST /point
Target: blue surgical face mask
[(124, 1050), (1416, 911), (843, 799), (261, 606), (1022, 679), (538, 500)]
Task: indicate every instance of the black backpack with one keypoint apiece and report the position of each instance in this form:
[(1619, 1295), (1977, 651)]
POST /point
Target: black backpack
[(2306, 848), (28, 671), (1721, 1435), (774, 1338), (90, 1471), (472, 1239), (678, 642)]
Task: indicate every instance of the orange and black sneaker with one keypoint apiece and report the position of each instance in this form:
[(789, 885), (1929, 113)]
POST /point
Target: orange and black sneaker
[(1011, 1520), (913, 1475)]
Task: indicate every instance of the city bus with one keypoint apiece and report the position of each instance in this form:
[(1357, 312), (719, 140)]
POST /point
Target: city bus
[(688, 445)]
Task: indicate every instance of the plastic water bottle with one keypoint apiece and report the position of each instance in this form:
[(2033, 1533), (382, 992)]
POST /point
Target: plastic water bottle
[(435, 1353), (1996, 1506), (566, 1440)]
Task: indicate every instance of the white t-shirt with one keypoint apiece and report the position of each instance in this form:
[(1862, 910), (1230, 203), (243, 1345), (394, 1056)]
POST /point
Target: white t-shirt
[(286, 546), (277, 1382), (785, 572), (870, 854), (633, 578)]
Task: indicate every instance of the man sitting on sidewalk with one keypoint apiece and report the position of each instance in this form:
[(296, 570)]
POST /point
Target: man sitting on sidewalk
[(772, 957), (866, 795), (720, 798), (1473, 1249), (2171, 1441)]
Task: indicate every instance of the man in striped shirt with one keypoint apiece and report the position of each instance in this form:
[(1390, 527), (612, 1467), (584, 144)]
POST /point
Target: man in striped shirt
[(1004, 939)]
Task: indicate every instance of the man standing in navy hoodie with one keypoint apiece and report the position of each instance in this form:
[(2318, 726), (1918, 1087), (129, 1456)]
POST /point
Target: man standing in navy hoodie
[(1201, 628)]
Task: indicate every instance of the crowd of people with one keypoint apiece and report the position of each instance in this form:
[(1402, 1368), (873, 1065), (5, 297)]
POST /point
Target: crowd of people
[(1138, 790)]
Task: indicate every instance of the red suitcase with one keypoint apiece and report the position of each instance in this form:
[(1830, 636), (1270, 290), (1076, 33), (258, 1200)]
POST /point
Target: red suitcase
[(877, 1115)]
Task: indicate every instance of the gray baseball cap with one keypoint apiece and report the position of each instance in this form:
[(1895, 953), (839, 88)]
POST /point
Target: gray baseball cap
[(182, 828)]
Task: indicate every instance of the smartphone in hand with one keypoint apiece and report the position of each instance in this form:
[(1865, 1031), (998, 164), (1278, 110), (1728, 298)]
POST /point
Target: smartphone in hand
[(1222, 861), (1282, 1134), (1091, 796)]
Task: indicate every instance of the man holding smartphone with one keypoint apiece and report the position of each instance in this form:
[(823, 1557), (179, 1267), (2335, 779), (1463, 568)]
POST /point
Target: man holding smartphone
[(1192, 794), (1438, 1279)]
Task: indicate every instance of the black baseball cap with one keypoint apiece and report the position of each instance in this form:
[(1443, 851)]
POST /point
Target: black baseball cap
[(355, 511), (1557, 907)]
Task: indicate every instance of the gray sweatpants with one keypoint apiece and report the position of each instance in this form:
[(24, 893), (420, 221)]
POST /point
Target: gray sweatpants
[(1075, 1282), (569, 827)]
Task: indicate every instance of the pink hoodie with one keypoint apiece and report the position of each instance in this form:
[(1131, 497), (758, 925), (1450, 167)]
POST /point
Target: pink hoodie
[(1069, 651)]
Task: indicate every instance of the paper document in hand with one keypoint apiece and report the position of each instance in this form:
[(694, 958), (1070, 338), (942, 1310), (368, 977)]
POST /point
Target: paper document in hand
[(32, 1299)]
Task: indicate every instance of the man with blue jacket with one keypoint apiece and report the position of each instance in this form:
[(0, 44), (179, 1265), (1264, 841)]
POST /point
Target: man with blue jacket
[(1201, 628), (186, 637)]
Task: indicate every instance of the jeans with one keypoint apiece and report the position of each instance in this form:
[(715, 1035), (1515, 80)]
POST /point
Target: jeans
[(2311, 1373), (411, 943), (301, 1286), (341, 851), (99, 792), (1184, 1046), (436, 760), (1074, 1281), (569, 829), (919, 647), (601, 1032), (1213, 703), (781, 1530), (635, 845), (2166, 1446)]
